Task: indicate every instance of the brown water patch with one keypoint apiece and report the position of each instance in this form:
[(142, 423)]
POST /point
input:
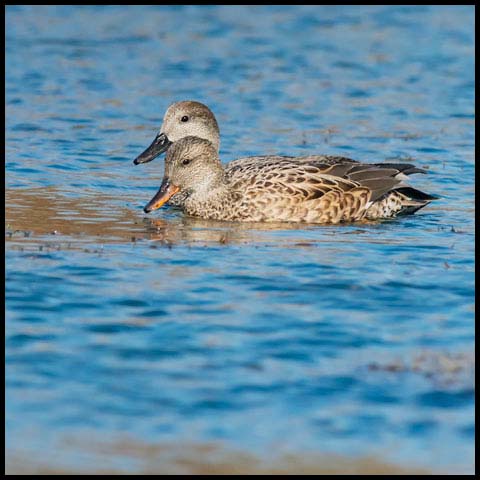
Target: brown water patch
[(46, 211), (195, 459)]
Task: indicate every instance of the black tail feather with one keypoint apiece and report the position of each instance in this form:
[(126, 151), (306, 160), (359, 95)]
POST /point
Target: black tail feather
[(416, 195)]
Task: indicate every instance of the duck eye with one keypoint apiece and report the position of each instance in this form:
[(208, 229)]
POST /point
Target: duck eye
[(184, 118), (186, 161)]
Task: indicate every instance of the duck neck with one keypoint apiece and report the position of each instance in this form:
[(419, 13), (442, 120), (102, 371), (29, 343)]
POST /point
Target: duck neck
[(210, 197), (215, 188)]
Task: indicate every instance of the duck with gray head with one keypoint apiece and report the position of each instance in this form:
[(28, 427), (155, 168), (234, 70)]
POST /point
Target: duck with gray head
[(283, 189), (190, 118)]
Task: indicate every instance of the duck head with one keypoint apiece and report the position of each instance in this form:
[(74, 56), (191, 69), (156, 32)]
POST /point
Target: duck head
[(183, 119), (192, 169)]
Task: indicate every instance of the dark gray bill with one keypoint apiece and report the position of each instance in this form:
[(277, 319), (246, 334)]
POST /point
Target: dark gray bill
[(158, 146)]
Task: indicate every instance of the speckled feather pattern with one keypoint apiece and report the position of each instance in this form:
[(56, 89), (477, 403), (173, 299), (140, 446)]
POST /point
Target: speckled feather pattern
[(314, 189)]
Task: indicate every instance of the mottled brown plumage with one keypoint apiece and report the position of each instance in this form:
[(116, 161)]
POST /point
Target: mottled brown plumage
[(271, 189)]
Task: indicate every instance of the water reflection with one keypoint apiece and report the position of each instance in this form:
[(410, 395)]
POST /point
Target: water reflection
[(36, 213)]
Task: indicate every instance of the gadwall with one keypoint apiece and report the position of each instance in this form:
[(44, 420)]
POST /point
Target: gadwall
[(190, 118), (283, 189)]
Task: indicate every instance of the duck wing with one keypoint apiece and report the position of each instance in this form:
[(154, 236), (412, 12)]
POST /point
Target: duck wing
[(380, 178), (320, 190)]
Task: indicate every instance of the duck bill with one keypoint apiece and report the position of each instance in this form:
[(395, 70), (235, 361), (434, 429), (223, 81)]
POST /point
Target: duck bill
[(166, 191), (158, 146)]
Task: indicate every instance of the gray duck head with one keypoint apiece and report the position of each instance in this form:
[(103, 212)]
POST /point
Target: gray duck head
[(192, 169), (183, 119)]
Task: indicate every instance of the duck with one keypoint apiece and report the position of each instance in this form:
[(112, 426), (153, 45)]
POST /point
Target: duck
[(287, 189), (192, 118)]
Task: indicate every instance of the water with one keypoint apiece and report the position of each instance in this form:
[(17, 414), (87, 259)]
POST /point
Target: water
[(349, 340)]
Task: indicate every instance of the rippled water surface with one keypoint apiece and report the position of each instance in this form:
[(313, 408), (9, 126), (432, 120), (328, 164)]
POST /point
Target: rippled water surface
[(351, 340)]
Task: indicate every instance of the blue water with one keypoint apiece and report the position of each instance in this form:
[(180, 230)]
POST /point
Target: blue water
[(356, 340)]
